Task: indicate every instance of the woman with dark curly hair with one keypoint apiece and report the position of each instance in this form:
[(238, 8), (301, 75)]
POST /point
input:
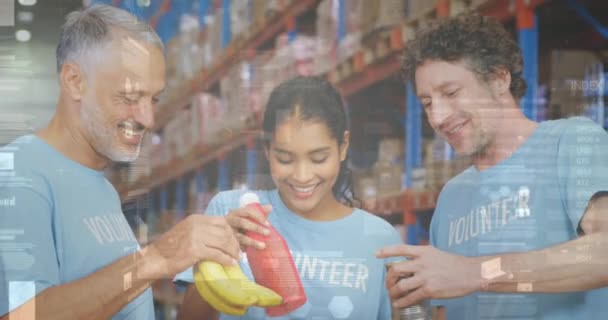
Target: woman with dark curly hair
[(526, 217)]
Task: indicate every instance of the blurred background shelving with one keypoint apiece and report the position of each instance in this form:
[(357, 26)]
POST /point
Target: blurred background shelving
[(399, 164), (225, 56)]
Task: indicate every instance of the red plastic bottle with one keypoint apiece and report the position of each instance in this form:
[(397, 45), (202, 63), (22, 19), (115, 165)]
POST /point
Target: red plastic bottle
[(273, 267)]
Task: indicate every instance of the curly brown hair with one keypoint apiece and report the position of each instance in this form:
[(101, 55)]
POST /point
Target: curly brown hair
[(481, 42)]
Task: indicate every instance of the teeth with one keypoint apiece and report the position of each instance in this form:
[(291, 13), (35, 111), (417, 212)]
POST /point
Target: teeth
[(129, 129), (304, 190), (130, 133)]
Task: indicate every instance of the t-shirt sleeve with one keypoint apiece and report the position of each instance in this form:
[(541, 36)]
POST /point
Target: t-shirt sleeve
[(28, 256), (582, 166), (393, 239), (216, 207)]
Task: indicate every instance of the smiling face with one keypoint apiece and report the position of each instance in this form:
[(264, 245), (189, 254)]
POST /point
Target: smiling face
[(460, 107), (117, 106), (304, 162)]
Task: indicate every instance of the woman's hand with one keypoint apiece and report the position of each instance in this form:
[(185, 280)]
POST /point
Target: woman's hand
[(242, 221)]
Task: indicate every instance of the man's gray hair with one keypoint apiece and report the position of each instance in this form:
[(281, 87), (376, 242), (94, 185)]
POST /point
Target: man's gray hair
[(91, 29)]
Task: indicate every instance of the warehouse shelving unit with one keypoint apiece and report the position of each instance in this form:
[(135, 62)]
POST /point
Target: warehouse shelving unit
[(245, 46), (373, 64), (365, 68), (376, 62)]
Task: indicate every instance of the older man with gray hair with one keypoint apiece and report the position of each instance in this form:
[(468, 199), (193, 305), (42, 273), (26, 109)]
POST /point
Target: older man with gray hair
[(73, 255)]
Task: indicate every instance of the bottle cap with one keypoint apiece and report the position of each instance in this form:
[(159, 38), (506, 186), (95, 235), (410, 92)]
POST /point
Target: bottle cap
[(248, 198)]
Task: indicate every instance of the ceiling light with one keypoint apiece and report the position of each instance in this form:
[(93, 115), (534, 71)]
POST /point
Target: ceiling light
[(27, 2), (25, 16), (23, 35)]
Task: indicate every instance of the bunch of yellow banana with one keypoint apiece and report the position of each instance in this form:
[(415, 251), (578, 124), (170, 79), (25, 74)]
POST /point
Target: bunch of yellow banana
[(228, 290)]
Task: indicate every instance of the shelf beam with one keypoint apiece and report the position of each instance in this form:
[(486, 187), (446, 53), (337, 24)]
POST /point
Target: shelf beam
[(197, 158), (369, 75), (504, 10)]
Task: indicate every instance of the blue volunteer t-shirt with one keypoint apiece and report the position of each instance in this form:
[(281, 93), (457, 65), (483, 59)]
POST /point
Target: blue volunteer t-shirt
[(59, 221), (335, 259), (532, 200)]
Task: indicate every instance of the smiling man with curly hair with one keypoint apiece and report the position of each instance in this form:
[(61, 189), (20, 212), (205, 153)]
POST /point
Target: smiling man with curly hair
[(529, 216)]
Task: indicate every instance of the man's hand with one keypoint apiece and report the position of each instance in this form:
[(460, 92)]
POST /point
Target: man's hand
[(429, 274), (198, 237)]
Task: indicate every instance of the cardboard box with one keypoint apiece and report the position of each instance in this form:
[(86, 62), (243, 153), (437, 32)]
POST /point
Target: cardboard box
[(391, 12), (567, 81), (439, 172), (237, 91), (207, 119), (260, 11), (388, 177), (241, 17), (184, 139), (177, 135), (414, 8), (213, 38), (365, 187), (369, 16), (381, 14), (391, 150)]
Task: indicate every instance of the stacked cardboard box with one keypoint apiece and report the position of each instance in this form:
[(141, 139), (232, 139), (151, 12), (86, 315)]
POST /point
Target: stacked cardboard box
[(288, 60), (384, 178), (388, 170), (437, 173), (241, 17), (213, 38), (414, 8), (381, 14), (567, 80), (208, 114), (327, 37), (237, 91), (388, 178), (260, 11), (189, 51)]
